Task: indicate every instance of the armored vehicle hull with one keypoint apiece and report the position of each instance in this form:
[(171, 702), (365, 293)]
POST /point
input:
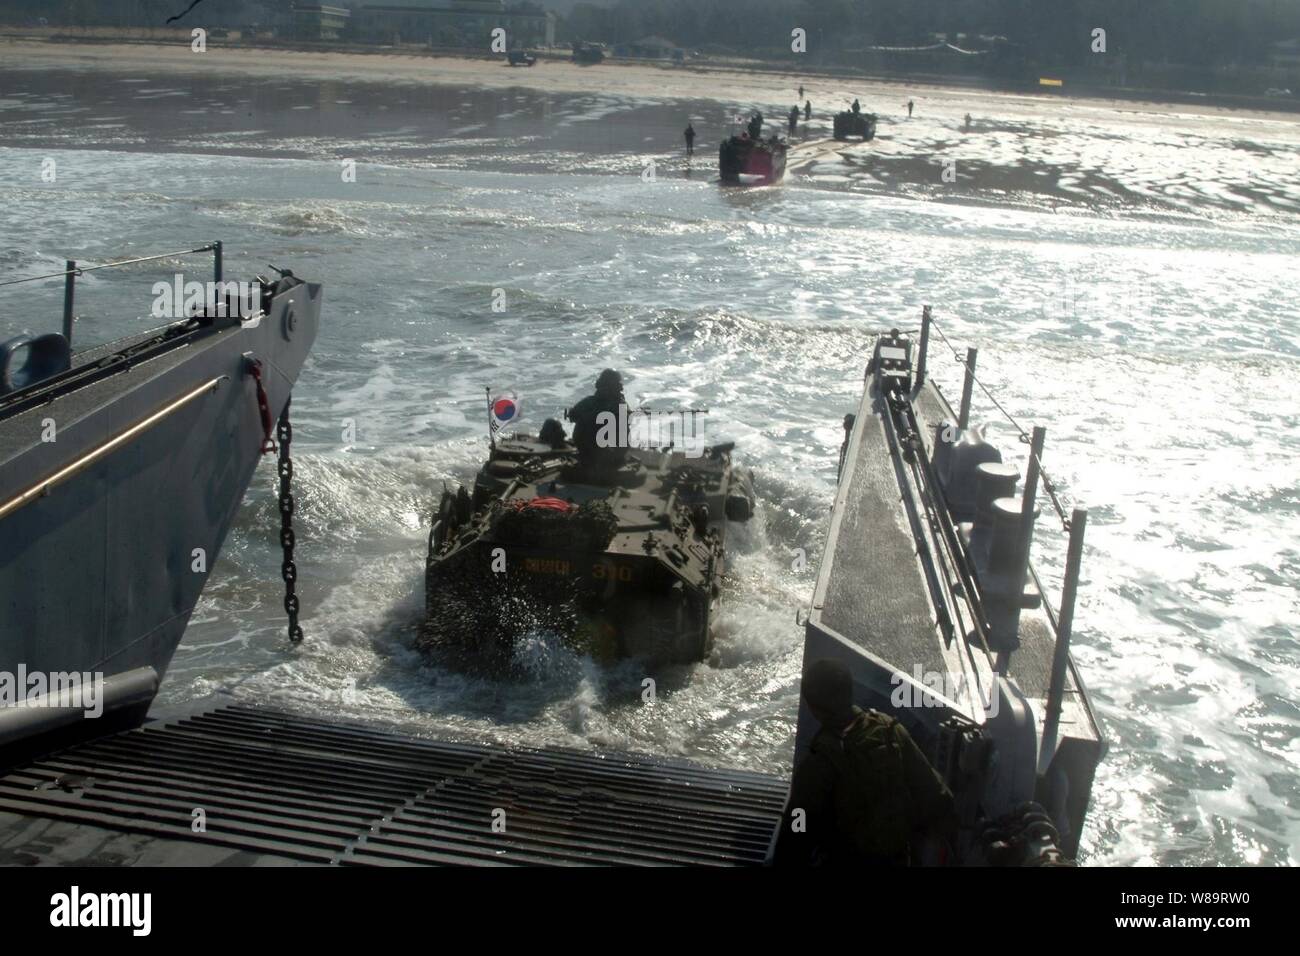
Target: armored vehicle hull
[(849, 124), (629, 565), (588, 54), (758, 161)]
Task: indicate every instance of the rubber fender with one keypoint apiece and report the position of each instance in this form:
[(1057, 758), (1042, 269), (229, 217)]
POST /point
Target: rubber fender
[(47, 355)]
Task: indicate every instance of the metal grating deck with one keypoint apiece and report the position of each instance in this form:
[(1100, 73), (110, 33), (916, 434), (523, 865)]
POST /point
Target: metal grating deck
[(290, 788)]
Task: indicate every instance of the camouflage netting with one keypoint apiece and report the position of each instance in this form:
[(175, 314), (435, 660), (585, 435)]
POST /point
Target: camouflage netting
[(589, 527), (475, 617)]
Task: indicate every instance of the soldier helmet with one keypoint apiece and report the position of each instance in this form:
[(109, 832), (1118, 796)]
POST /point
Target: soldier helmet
[(828, 689), (609, 382)]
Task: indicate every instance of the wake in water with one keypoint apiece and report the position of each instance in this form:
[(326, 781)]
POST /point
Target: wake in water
[(361, 659)]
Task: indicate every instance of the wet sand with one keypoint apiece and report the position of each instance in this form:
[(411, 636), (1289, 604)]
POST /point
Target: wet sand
[(1021, 150), (633, 79)]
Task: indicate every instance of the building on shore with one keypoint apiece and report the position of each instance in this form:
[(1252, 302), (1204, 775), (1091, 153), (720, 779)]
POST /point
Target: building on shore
[(1285, 55), (144, 14), (315, 21), (651, 47), (467, 24), (453, 23)]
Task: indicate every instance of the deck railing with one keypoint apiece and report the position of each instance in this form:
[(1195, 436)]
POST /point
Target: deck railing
[(1062, 620), (72, 270)]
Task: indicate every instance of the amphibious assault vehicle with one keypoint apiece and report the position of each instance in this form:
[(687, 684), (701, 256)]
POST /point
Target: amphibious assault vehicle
[(757, 160), (627, 565), (849, 123), (588, 54)]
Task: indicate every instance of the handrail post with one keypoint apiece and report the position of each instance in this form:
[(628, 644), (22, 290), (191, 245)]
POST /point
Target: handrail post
[(1064, 625), (1030, 497), (1021, 572), (217, 265), (69, 288), (925, 346), (963, 418)]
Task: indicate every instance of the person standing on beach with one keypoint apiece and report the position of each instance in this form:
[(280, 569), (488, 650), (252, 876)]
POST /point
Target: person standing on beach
[(800, 91), (807, 110), (909, 109), (690, 139)]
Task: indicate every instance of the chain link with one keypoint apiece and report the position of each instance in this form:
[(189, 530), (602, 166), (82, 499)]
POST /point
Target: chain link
[(288, 570)]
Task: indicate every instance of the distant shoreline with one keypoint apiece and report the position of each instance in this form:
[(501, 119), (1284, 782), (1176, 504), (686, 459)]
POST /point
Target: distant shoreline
[(740, 81)]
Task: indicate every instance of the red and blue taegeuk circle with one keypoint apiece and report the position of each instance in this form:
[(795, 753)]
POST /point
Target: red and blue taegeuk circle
[(504, 409)]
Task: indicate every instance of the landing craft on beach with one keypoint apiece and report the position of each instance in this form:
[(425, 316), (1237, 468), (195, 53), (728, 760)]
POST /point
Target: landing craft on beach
[(746, 159)]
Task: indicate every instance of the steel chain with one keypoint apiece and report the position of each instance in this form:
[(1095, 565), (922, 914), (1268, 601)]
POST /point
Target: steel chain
[(288, 570)]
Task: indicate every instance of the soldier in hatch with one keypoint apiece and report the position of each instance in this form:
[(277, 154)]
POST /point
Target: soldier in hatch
[(599, 457), (866, 791)]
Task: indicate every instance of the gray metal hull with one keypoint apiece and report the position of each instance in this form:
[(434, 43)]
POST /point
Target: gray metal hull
[(872, 610), (101, 572)]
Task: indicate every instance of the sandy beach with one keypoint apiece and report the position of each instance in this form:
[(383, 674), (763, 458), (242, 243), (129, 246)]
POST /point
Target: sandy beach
[(638, 79)]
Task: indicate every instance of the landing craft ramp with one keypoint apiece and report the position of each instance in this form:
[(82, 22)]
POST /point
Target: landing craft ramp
[(275, 788), (926, 593), (873, 542)]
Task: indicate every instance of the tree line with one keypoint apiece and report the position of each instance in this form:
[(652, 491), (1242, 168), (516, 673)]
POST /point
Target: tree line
[(1199, 33)]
